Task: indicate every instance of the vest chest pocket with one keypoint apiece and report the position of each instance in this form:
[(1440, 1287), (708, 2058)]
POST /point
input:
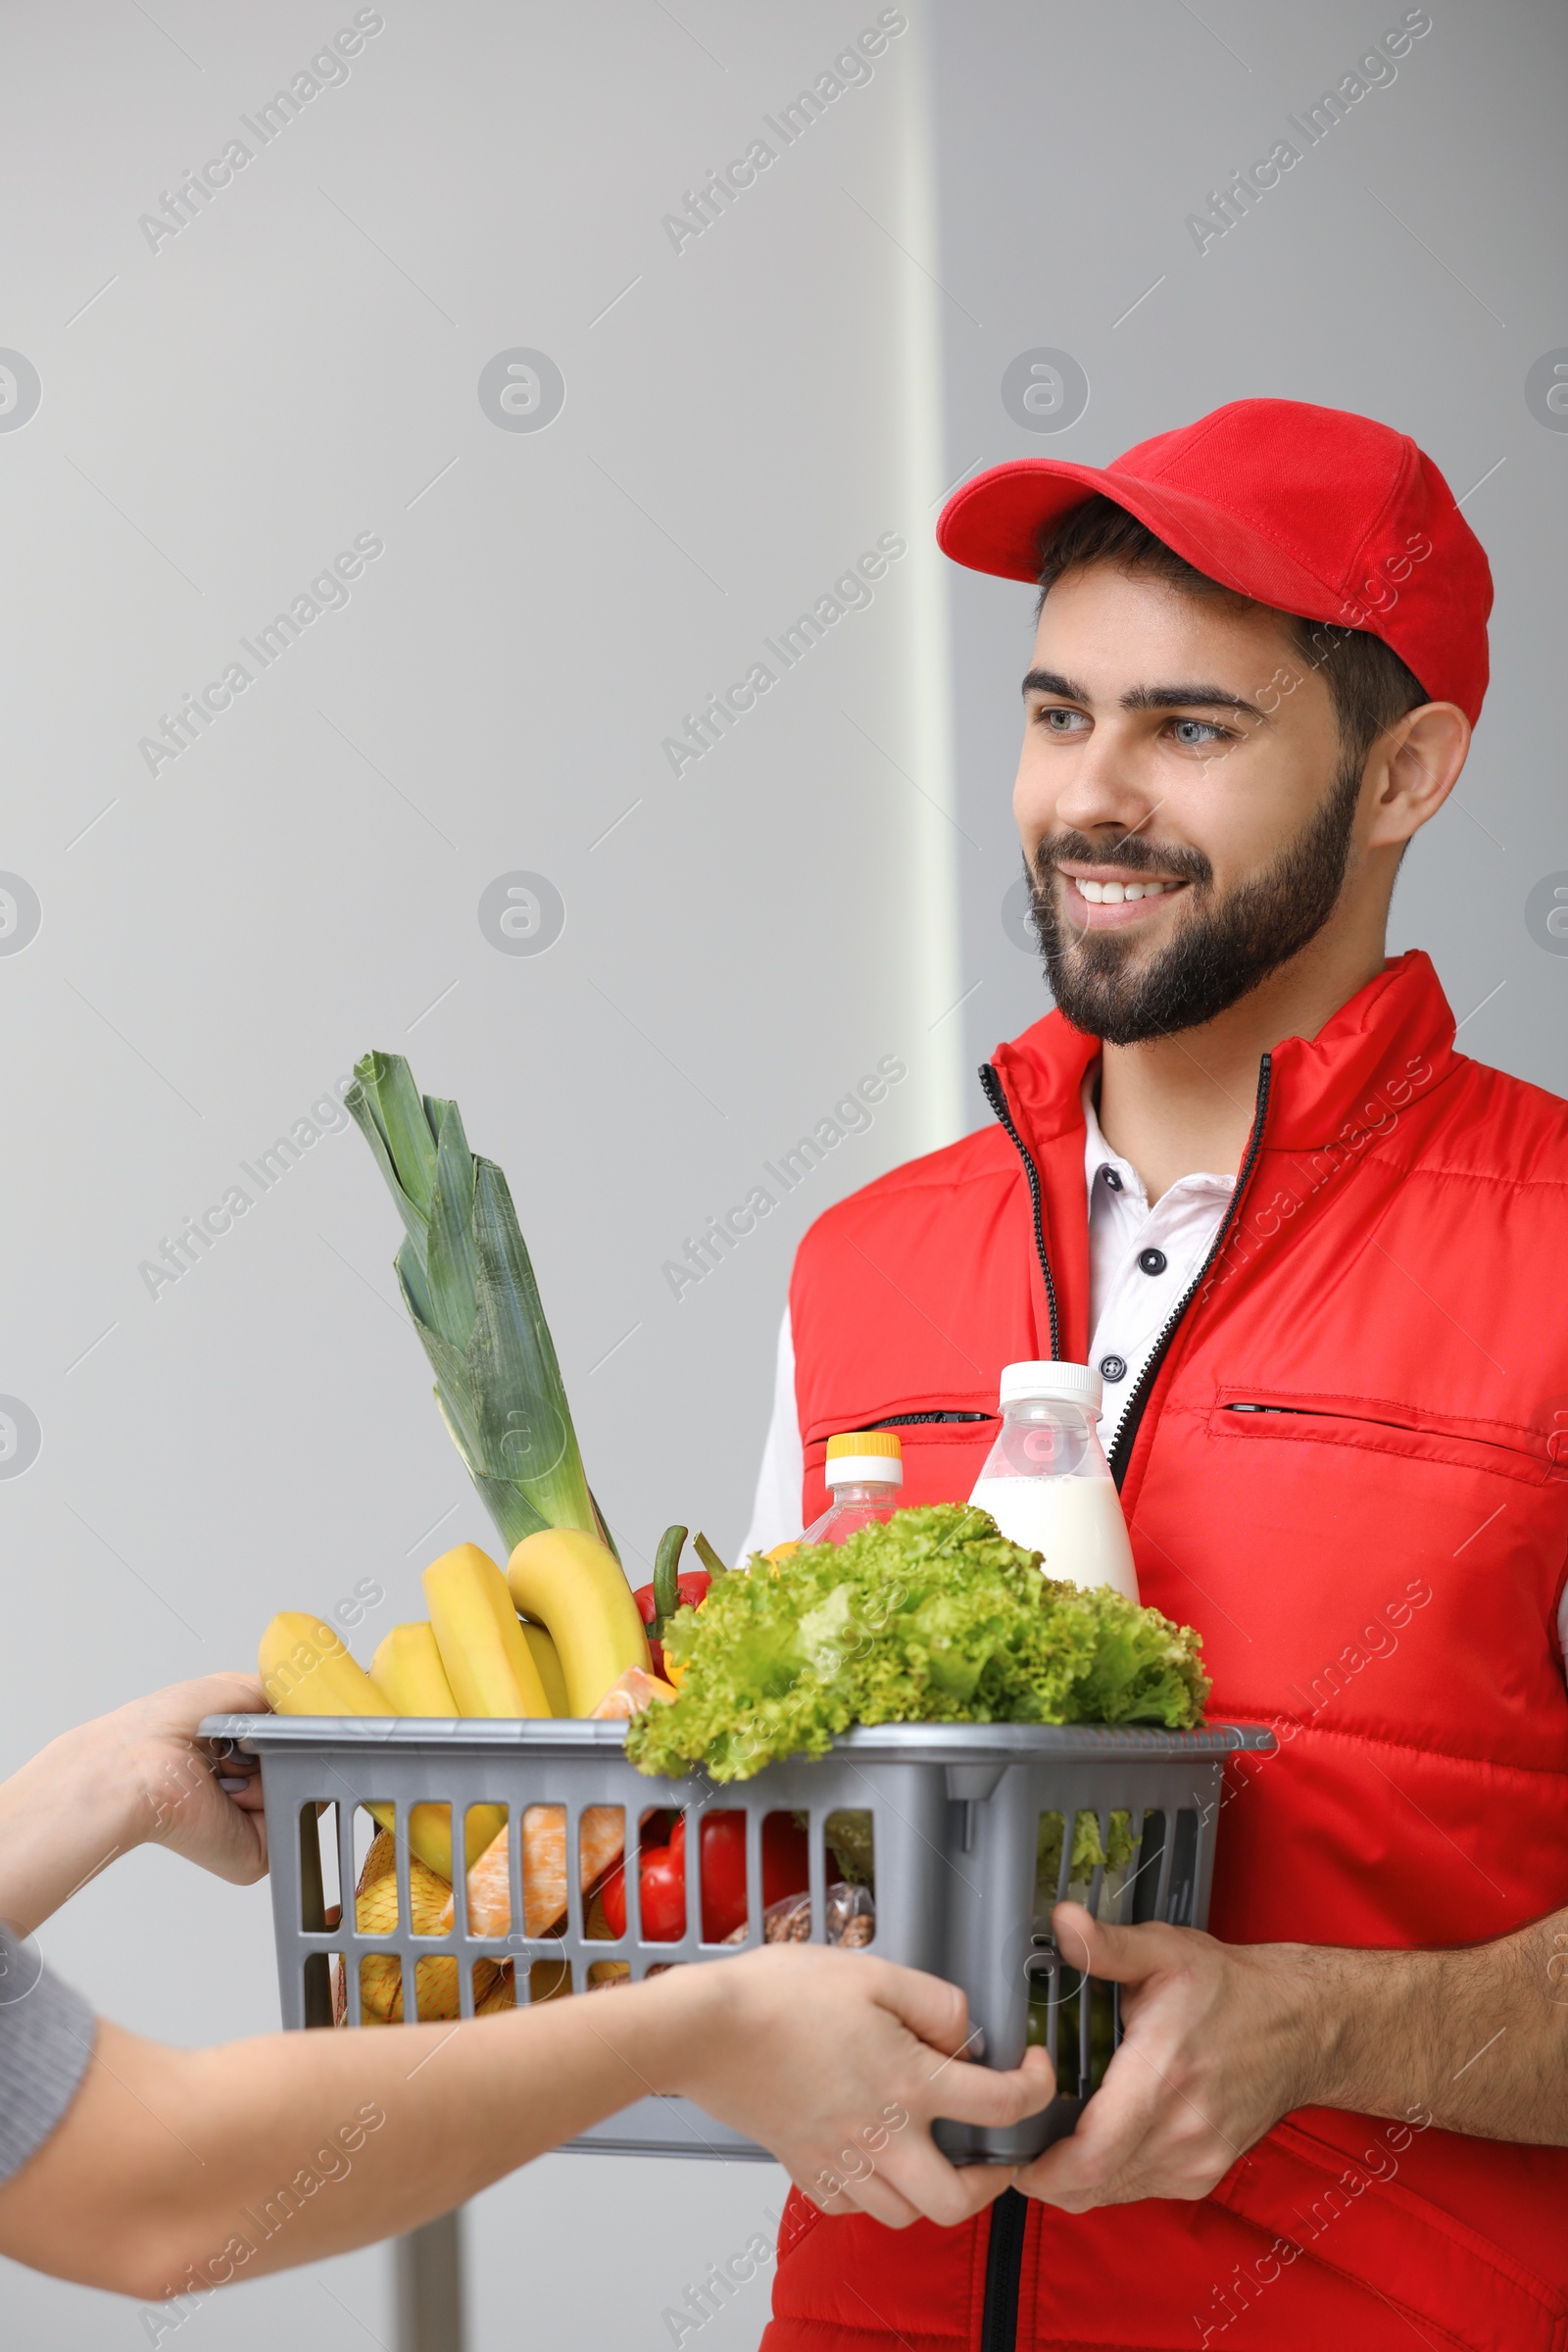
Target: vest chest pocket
[(943, 1448), (1380, 1425)]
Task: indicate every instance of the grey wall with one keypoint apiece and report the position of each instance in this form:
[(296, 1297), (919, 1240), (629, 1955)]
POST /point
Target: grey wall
[(219, 416)]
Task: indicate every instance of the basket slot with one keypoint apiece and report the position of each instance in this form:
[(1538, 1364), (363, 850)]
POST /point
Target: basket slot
[(1162, 1884), (1127, 1906), (852, 1835), (595, 1924), (375, 1987), (1096, 1881), (657, 1836), (434, 1820), (327, 1847), (317, 1989), (549, 1981), (1184, 1869), (313, 1894)]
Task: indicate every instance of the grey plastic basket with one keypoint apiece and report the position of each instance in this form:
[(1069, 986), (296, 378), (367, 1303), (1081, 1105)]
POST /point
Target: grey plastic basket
[(955, 1811)]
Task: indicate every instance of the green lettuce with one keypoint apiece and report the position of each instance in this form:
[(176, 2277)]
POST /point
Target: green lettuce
[(933, 1617)]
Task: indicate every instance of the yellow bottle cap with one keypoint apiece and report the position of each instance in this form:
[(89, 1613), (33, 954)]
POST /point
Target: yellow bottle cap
[(866, 1442)]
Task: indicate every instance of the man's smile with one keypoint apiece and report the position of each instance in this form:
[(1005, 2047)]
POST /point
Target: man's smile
[(1108, 898)]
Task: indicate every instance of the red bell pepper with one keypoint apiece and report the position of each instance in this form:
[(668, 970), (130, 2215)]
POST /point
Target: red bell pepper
[(658, 1602)]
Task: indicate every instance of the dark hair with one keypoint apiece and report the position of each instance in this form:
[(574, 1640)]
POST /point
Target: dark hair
[(1371, 687)]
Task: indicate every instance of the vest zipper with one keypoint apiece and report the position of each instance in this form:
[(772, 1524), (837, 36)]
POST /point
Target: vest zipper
[(1119, 1451), (999, 2318), (998, 2325), (905, 1420), (992, 1085)]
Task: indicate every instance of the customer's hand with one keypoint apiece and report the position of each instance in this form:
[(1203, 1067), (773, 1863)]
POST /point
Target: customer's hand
[(206, 1807), (838, 2062), (139, 1776)]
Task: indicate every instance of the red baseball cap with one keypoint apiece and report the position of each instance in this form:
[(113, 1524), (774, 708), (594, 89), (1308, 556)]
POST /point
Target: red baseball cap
[(1315, 511)]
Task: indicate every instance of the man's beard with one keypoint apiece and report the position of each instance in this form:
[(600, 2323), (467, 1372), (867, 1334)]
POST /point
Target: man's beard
[(1108, 985)]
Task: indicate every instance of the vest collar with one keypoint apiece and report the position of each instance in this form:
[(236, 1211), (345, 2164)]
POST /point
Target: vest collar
[(1394, 1033)]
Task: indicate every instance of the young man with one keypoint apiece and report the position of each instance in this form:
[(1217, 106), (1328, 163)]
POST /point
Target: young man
[(166, 2173), (1316, 1256)]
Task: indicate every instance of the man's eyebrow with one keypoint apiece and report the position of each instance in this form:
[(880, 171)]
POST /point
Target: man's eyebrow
[(1175, 698), (1207, 695)]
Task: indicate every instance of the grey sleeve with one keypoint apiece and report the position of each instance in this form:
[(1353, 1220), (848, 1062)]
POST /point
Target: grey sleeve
[(46, 2039)]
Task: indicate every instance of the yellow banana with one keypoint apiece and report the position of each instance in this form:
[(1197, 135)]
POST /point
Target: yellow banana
[(570, 1582), (487, 1659), (306, 1670), (547, 1658), (407, 1669)]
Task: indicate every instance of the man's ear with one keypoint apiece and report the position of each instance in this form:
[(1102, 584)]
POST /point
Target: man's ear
[(1414, 766)]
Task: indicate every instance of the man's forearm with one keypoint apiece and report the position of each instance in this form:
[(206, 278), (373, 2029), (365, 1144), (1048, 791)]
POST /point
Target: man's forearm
[(1479, 2035)]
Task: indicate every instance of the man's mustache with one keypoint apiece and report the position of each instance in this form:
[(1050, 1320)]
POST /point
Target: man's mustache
[(1129, 851)]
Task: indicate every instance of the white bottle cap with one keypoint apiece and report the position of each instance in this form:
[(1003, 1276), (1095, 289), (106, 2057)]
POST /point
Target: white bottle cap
[(863, 1470), (1068, 1384)]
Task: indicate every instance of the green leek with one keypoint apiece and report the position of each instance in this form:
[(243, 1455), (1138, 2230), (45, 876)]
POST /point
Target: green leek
[(467, 1283)]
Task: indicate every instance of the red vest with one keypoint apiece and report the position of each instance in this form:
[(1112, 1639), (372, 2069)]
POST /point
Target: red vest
[(1374, 1560)]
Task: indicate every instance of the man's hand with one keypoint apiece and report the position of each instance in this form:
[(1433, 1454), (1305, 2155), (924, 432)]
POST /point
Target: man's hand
[(136, 1776), (838, 2062), (1218, 2042)]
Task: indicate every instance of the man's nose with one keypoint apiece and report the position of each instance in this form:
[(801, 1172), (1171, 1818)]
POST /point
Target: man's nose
[(1104, 789)]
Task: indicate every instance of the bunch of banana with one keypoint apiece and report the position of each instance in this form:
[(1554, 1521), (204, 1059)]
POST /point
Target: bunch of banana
[(578, 1649)]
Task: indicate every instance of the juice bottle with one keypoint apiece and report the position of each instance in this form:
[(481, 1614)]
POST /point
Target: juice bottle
[(864, 1473), (1047, 1482)]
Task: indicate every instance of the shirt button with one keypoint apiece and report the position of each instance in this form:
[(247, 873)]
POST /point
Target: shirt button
[(1111, 1178), (1152, 1262), (1112, 1367)]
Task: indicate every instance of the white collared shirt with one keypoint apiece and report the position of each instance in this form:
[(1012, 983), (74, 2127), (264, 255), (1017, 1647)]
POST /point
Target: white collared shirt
[(1131, 1298), (1141, 1260)]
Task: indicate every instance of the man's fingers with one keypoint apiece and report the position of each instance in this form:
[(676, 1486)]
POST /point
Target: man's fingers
[(983, 2095), (1076, 2172), (1118, 1955)]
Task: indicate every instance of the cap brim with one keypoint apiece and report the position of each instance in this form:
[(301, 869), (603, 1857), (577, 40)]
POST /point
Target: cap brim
[(995, 522)]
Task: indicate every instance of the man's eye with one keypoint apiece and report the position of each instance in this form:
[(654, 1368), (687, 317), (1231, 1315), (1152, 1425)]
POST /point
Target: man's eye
[(1057, 721), (1196, 734)]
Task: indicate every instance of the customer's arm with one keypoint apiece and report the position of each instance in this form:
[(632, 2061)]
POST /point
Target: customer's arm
[(177, 2168), (1223, 2039), (139, 1776)]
